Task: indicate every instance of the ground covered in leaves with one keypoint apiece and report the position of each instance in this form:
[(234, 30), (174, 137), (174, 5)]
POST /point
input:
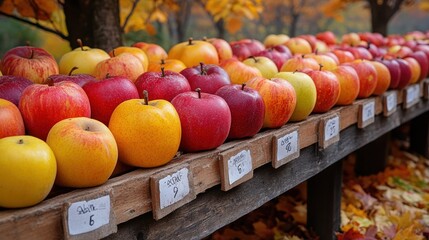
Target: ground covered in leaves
[(391, 205)]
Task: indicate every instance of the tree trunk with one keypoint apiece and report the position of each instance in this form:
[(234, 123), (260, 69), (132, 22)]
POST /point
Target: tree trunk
[(220, 28), (182, 19), (381, 13), (96, 22)]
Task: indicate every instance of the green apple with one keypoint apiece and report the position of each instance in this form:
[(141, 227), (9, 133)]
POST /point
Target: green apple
[(267, 67), (306, 93)]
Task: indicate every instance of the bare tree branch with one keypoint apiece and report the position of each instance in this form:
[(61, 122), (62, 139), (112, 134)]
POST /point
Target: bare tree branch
[(129, 14), (58, 33)]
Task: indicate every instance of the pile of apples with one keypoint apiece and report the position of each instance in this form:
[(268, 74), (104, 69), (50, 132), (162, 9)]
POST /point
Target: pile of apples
[(74, 122)]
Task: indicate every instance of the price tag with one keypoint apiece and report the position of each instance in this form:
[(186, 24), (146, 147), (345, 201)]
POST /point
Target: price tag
[(285, 146), (170, 190), (329, 130), (390, 101), (366, 113), (426, 88), (412, 95), (236, 166), (92, 218)]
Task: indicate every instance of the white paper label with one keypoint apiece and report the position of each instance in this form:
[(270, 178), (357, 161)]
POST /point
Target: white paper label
[(173, 188), (413, 93), (86, 216), (368, 111), (287, 145), (391, 101), (239, 165), (332, 128)]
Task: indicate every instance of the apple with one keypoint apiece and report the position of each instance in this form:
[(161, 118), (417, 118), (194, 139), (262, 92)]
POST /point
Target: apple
[(162, 85), (351, 39), (328, 37), (415, 69), (420, 47), (328, 89), (394, 70), (275, 39), (193, 52), (205, 119), (360, 53), (85, 150), (399, 51), (367, 77), (349, 84), (279, 100), (343, 55), (298, 46), (278, 57), (33, 63), (405, 76), (247, 110), (154, 52), (321, 47), (383, 77), (0, 72), (137, 52), (245, 48), (223, 48), (43, 105), (105, 95), (423, 62), (11, 123), (27, 171), (265, 65), (174, 65), (299, 63), (80, 79), (306, 93), (325, 60), (125, 65), (208, 77), (11, 87), (147, 132), (311, 39), (239, 72), (84, 58)]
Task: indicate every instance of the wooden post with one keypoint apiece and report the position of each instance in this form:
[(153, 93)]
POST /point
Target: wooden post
[(372, 158), (324, 202), (419, 135)]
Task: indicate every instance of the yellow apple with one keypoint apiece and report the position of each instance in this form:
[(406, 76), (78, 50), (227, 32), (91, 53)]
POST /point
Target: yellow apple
[(265, 65), (84, 58), (148, 133), (125, 64), (193, 52), (275, 39), (137, 52), (27, 171), (86, 152), (306, 93), (174, 65)]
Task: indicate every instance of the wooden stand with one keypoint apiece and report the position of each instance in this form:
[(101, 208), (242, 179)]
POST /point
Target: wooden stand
[(372, 158), (419, 135)]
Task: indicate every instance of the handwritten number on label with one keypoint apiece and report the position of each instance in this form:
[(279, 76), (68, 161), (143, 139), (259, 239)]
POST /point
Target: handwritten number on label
[(332, 127), (239, 165), (91, 221), (175, 190)]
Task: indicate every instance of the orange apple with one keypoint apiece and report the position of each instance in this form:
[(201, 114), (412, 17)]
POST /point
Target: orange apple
[(154, 52), (383, 77), (193, 52), (415, 69), (349, 84), (279, 98), (11, 123), (223, 48), (275, 39), (328, 89), (148, 133), (326, 61), (298, 45), (265, 65), (125, 65), (343, 56), (239, 72), (174, 65), (137, 52), (351, 39), (84, 58), (299, 63), (85, 150), (367, 77)]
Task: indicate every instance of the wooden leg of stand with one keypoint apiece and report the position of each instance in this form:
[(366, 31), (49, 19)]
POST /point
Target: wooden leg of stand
[(419, 135), (324, 202), (372, 158)]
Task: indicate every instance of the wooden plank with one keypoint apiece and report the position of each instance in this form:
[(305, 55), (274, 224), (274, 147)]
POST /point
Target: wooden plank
[(324, 201), (236, 166)]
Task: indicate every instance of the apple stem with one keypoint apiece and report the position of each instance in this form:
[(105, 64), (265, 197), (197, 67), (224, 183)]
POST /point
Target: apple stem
[(316, 51), (198, 90), (203, 71), (242, 86), (146, 97), (79, 41), (254, 59), (320, 67), (50, 81), (107, 75), (31, 54), (162, 61), (113, 53), (87, 128), (72, 70), (21, 141), (205, 38), (190, 41), (27, 43), (162, 72)]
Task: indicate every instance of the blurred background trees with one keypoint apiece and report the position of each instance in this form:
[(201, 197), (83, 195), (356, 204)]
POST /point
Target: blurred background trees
[(56, 24)]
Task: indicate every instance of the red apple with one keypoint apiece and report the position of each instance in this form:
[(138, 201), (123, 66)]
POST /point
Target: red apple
[(245, 48), (105, 95), (279, 100), (43, 105), (205, 120), (328, 89), (11, 123), (154, 52), (405, 76), (421, 58), (247, 110), (349, 84), (125, 64), (33, 63), (328, 37), (11, 87), (162, 85), (238, 71), (367, 77), (80, 79), (415, 69), (223, 48), (299, 63), (343, 55), (209, 78), (279, 58), (394, 70)]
